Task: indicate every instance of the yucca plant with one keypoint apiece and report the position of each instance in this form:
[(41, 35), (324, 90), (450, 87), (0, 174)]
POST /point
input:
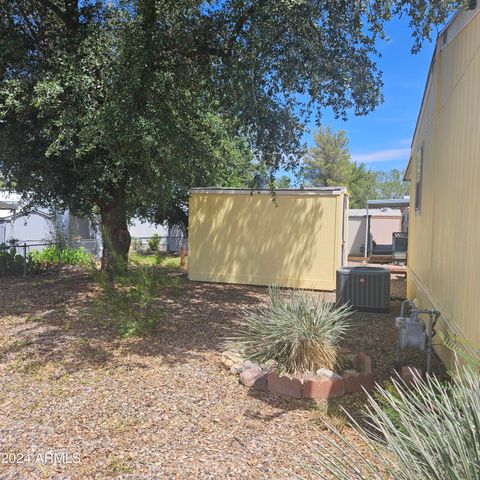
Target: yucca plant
[(437, 435), (295, 329)]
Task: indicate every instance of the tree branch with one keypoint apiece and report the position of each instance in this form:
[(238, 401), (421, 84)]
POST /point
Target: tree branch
[(227, 50), (71, 14), (237, 29), (54, 8)]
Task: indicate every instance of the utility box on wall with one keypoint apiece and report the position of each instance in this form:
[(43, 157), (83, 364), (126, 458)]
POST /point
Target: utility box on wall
[(293, 239)]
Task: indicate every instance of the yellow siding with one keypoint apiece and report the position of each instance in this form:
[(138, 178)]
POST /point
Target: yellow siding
[(244, 238), (444, 238)]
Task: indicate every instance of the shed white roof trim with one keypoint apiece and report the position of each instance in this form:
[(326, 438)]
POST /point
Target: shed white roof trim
[(313, 191), (376, 212)]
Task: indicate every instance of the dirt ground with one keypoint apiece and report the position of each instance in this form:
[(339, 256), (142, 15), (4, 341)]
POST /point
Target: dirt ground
[(77, 401)]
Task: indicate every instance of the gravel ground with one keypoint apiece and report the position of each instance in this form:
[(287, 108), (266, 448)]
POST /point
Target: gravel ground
[(76, 401)]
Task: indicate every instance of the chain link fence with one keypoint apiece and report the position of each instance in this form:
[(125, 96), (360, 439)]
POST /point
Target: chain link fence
[(14, 258)]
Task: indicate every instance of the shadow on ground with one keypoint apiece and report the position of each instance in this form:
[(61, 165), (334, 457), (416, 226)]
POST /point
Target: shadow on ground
[(161, 406)]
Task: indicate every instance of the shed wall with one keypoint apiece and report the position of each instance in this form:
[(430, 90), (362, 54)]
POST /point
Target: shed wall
[(382, 229), (243, 238), (444, 253), (356, 235)]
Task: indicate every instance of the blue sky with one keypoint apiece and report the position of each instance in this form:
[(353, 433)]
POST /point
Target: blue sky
[(382, 138)]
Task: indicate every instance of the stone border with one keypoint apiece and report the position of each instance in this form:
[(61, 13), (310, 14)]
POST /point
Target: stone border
[(321, 385)]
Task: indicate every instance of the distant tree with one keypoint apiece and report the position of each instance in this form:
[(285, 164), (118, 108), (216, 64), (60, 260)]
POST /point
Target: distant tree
[(391, 185), (283, 182), (328, 162), (362, 186)]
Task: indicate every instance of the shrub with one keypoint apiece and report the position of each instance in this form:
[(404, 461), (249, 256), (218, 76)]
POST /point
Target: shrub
[(296, 330), (54, 255), (439, 436), (10, 262), (154, 243), (130, 303)]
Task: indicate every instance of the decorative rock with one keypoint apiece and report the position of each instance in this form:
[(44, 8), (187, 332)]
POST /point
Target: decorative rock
[(235, 370), (367, 381), (227, 363), (323, 384), (325, 372), (411, 374), (362, 362), (326, 386), (249, 364), (231, 359), (254, 377), (290, 387), (353, 381)]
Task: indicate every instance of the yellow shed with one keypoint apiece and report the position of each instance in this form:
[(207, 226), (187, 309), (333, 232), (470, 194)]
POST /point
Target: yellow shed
[(444, 230), (295, 239)]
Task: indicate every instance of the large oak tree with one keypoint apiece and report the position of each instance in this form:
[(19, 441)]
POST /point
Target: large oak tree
[(120, 107)]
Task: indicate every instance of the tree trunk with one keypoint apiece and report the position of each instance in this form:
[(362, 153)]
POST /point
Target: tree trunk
[(115, 237)]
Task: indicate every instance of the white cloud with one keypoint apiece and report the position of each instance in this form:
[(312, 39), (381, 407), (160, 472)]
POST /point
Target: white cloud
[(382, 155)]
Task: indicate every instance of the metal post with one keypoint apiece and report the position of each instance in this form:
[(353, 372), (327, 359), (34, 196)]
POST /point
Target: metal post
[(396, 364), (344, 228), (12, 225), (434, 314), (366, 234), (24, 259)]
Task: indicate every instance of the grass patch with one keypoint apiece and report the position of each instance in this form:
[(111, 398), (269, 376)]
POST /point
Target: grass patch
[(159, 259), (54, 255), (119, 465)]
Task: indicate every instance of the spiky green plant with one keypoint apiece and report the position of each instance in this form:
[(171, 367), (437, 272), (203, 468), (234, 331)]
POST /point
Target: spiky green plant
[(296, 329), (464, 351), (439, 436)]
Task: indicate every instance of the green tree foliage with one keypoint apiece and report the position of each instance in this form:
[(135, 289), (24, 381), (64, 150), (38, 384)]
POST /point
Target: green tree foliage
[(328, 162), (362, 185), (283, 182), (391, 185), (121, 107)]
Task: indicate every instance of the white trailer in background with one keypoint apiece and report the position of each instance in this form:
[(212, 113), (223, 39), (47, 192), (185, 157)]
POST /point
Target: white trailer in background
[(402, 203), (8, 209)]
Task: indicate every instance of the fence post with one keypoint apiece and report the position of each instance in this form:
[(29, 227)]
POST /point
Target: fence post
[(183, 254), (24, 259)]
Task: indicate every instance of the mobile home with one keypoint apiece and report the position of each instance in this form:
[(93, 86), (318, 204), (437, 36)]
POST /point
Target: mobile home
[(444, 171)]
